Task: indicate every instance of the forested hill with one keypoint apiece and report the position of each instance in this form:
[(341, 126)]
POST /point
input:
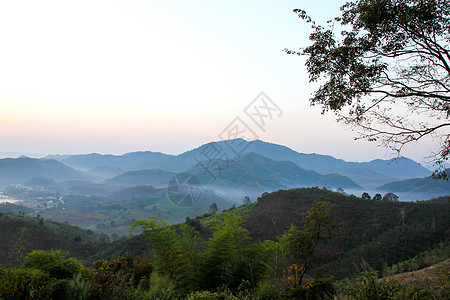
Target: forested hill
[(21, 234), (374, 230), (378, 231), (382, 233)]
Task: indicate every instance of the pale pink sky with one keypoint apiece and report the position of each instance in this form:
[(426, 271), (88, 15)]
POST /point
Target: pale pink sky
[(121, 76)]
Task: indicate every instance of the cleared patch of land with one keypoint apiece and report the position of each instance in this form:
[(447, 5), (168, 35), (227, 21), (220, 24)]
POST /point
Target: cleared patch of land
[(430, 278)]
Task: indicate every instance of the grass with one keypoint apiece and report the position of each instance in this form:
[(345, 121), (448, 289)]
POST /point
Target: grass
[(431, 278)]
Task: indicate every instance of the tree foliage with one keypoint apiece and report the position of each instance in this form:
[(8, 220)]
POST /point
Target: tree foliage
[(54, 263), (388, 73), (229, 256), (317, 225), (391, 197), (162, 240), (176, 250), (366, 196), (377, 197)]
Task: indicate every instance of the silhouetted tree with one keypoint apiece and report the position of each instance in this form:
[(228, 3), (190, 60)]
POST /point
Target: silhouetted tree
[(366, 196), (390, 64), (390, 197)]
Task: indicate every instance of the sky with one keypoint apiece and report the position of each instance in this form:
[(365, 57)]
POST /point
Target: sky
[(113, 77)]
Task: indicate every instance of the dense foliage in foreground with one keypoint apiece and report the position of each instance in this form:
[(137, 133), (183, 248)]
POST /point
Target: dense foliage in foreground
[(285, 246), (226, 266), (49, 275)]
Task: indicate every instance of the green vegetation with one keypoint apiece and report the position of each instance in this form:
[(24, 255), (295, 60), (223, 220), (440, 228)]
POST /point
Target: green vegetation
[(62, 229), (425, 259), (48, 275), (286, 245), (317, 225), (22, 234)]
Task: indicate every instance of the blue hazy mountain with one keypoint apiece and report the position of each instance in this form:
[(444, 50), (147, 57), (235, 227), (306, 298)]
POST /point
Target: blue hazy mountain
[(366, 174), (129, 161), (19, 170), (370, 174), (258, 172), (427, 185)]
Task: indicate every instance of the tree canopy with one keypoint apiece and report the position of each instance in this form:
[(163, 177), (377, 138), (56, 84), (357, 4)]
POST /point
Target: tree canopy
[(387, 72), (318, 225)]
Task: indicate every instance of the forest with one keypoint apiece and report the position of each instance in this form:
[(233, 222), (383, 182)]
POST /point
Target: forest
[(308, 243)]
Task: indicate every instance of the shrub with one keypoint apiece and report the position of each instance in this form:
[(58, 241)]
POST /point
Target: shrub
[(265, 290), (79, 288), (317, 289), (445, 285), (206, 295), (53, 263), (367, 287), (161, 287), (118, 276), (25, 284)]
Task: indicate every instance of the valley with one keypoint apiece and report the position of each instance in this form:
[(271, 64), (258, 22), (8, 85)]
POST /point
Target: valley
[(106, 193)]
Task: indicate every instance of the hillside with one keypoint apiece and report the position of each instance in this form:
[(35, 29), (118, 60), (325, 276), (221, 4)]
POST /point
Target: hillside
[(255, 171), (429, 278), (373, 230), (137, 192), (142, 177), (22, 234), (112, 214), (19, 170)]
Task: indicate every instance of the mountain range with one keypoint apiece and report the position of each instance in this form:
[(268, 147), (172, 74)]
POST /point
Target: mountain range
[(255, 165), (367, 174)]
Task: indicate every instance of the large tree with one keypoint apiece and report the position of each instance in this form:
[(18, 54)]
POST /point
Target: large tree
[(318, 225), (384, 69)]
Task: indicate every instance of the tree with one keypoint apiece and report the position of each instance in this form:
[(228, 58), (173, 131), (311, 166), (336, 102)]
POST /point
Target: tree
[(390, 197), (54, 263), (366, 196), (176, 250), (213, 208), (317, 225), (247, 200), (377, 197), (163, 241), (388, 74), (230, 260)]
